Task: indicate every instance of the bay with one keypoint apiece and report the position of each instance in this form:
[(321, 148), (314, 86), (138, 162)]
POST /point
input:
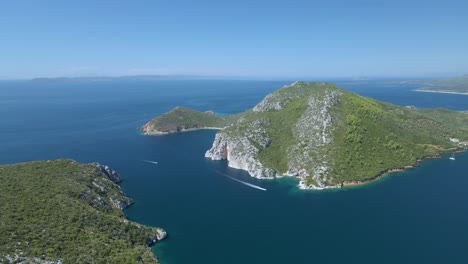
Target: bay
[(417, 216)]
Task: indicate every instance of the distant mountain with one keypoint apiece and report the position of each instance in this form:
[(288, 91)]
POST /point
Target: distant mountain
[(324, 135), (132, 77)]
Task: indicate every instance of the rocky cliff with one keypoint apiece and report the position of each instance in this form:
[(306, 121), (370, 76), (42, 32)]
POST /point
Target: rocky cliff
[(241, 154), (242, 142), (62, 211), (328, 137)]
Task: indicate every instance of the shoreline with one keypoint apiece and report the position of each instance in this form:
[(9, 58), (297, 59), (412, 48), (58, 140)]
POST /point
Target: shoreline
[(395, 170), (435, 91), (301, 186), (349, 184), (159, 133), (381, 175)]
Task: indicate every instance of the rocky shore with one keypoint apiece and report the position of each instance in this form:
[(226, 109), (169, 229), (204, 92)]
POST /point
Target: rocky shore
[(182, 119), (241, 147), (323, 135), (119, 200), (150, 130), (310, 157), (75, 213)]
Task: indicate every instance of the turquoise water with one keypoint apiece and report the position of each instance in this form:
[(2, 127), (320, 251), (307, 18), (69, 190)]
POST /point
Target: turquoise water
[(417, 216)]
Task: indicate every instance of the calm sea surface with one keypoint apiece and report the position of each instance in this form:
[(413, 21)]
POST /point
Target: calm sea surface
[(418, 216)]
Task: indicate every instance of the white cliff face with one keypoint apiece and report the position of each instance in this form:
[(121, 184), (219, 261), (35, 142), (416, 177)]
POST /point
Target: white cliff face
[(459, 142), (268, 103), (219, 149), (161, 234), (240, 153), (241, 142), (314, 132)]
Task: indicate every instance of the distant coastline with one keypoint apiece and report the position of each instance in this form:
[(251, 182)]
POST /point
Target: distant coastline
[(179, 131), (439, 91), (126, 78)]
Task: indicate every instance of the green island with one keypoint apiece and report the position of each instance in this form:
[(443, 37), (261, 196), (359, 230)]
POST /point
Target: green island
[(61, 211), (182, 119), (324, 135), (456, 85)]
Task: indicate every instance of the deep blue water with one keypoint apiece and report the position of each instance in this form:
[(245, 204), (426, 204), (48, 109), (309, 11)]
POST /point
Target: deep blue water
[(418, 216)]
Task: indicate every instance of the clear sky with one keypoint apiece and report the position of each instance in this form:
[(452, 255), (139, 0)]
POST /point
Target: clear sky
[(255, 38)]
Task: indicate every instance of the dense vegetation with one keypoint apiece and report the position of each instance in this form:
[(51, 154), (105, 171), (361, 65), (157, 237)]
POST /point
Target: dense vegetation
[(182, 118), (456, 85), (378, 137), (281, 125), (370, 137), (275, 156), (337, 136), (62, 210)]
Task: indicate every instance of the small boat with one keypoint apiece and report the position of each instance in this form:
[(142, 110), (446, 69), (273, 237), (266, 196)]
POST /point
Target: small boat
[(453, 157)]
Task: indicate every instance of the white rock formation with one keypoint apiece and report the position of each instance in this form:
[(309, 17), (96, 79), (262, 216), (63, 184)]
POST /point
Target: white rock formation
[(240, 153), (240, 143)]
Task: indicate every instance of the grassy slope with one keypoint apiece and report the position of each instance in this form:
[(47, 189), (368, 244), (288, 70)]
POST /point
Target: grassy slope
[(185, 118), (280, 128), (43, 213), (282, 123), (370, 137), (380, 136), (280, 132)]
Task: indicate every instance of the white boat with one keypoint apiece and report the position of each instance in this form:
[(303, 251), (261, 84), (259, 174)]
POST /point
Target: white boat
[(453, 157)]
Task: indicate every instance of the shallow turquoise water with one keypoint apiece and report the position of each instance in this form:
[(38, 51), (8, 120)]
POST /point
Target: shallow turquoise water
[(417, 216)]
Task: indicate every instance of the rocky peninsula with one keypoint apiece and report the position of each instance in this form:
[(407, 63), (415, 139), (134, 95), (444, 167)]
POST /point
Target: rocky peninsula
[(455, 85), (329, 137), (181, 119), (61, 211)]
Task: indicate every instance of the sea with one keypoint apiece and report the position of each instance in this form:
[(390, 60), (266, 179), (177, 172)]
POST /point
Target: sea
[(415, 216)]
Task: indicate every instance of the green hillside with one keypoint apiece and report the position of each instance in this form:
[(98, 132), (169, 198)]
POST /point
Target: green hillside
[(181, 118), (377, 137), (63, 210), (327, 136)]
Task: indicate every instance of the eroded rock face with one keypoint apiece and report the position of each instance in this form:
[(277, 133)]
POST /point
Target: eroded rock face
[(148, 129), (121, 202), (276, 101), (158, 235), (110, 173), (219, 149), (312, 132), (241, 154), (103, 193)]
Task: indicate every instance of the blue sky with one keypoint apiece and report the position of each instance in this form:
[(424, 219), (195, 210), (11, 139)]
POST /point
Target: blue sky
[(254, 39)]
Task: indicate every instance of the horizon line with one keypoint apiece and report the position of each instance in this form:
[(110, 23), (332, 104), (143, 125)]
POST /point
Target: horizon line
[(223, 77)]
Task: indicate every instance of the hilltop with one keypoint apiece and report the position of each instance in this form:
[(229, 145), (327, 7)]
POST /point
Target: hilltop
[(182, 119), (330, 137), (61, 211)]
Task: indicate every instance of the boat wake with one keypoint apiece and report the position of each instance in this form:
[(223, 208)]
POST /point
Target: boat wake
[(243, 182), (150, 161)]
